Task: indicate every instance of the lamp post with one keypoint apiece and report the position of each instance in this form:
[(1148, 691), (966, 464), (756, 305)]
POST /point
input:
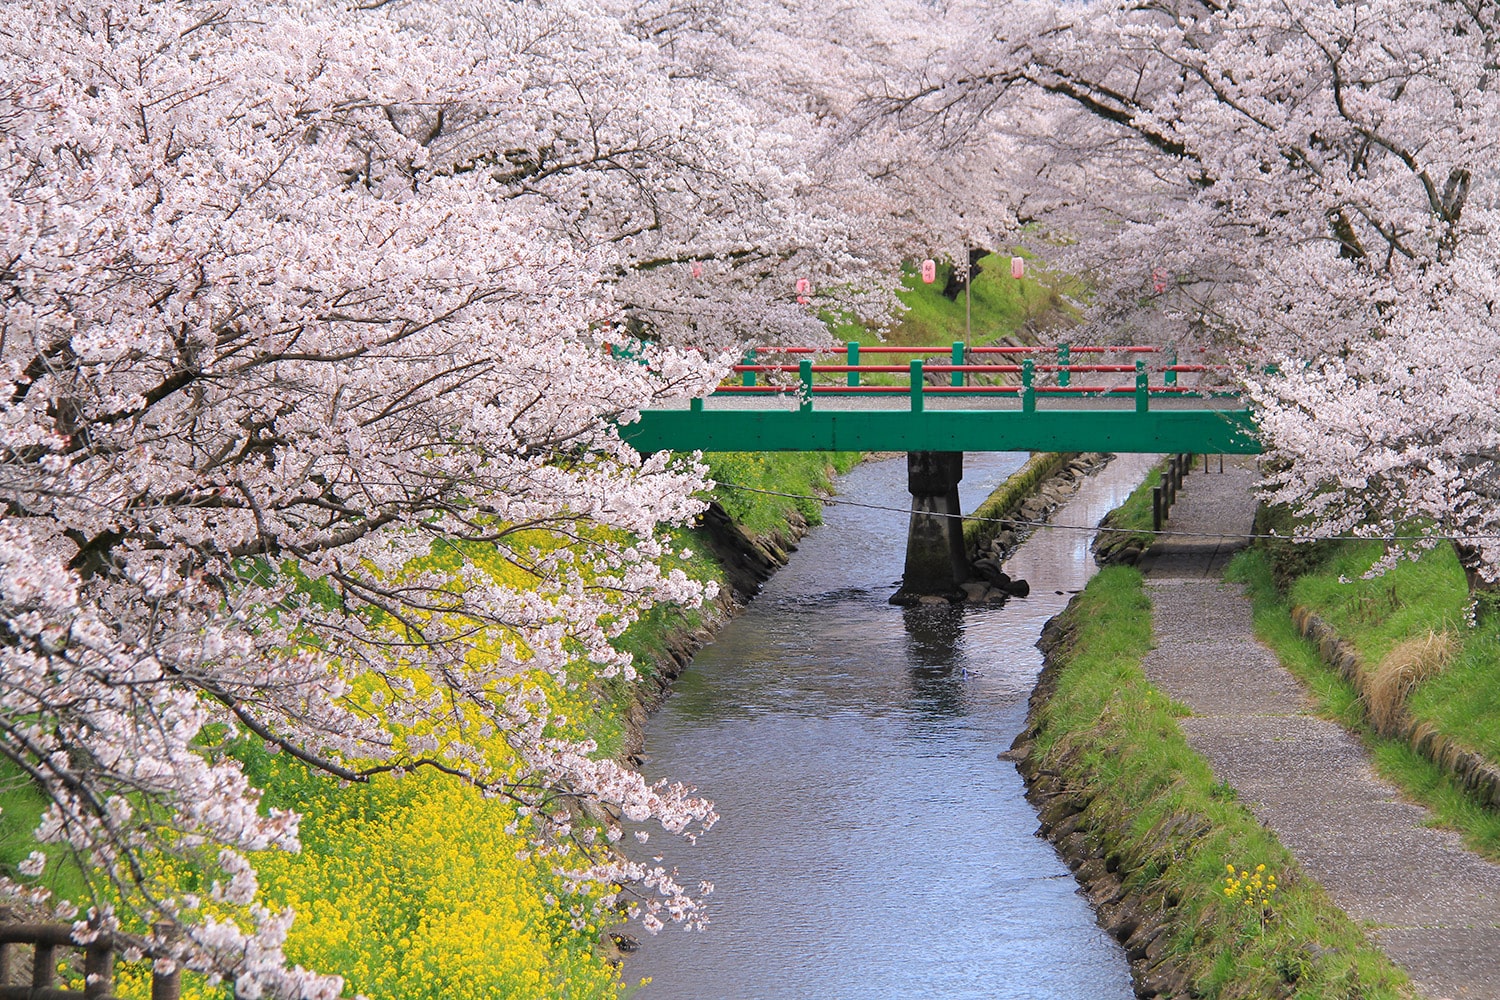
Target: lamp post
[(968, 307)]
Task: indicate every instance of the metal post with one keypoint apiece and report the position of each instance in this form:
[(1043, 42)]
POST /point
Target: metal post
[(696, 405), (853, 349), (1028, 393), (959, 378), (916, 387), (804, 371), (749, 359), (1063, 355), (1170, 378), (968, 299), (1142, 388)]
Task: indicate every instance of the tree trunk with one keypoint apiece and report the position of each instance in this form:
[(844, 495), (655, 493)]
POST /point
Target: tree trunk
[(955, 284), (1484, 593)]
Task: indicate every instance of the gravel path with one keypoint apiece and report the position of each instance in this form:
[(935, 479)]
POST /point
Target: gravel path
[(1432, 905)]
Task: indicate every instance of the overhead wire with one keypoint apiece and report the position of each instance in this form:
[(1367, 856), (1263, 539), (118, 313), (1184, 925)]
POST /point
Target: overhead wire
[(836, 501)]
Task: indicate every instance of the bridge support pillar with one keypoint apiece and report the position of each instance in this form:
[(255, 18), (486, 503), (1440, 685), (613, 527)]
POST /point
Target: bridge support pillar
[(936, 562)]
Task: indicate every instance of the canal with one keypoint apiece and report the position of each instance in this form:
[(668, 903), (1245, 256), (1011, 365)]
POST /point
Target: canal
[(872, 844)]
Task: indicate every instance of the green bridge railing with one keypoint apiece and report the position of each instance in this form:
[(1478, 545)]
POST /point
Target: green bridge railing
[(770, 425)]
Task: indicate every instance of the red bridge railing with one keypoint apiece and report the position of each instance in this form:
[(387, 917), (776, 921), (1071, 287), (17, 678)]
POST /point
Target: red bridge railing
[(965, 373)]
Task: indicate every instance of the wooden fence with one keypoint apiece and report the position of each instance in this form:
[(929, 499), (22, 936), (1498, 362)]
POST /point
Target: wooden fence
[(46, 940)]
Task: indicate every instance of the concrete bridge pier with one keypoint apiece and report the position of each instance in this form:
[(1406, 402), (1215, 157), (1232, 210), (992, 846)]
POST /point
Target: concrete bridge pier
[(936, 563)]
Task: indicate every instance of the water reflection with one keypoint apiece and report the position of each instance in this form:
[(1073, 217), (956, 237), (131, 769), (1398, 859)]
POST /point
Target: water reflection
[(872, 845), (934, 635)]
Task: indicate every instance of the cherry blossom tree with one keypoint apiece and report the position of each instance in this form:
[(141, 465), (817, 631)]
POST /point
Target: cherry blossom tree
[(309, 400), (1306, 185)]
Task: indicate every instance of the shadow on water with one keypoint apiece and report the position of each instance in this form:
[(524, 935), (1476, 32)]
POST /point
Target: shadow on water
[(872, 845)]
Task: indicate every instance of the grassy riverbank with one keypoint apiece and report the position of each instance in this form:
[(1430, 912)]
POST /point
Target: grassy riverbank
[(1152, 835), (1156, 817), (764, 492)]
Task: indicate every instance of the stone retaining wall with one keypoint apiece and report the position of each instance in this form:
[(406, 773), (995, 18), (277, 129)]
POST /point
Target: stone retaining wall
[(1477, 774)]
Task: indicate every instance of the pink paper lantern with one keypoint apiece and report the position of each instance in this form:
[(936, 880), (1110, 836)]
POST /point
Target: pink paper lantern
[(1018, 267), (697, 269), (929, 271), (803, 287)]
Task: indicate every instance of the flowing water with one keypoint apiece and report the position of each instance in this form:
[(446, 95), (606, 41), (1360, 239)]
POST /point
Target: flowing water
[(872, 845)]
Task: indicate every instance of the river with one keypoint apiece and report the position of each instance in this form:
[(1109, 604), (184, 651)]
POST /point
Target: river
[(872, 845)]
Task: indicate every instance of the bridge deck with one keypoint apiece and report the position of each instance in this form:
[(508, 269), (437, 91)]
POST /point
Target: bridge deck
[(1126, 414), (1199, 431)]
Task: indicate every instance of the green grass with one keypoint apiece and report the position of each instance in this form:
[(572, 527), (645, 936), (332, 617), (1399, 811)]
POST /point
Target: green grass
[(1374, 615), (21, 807), (1463, 701), (805, 475), (1409, 599), (1174, 828), (1002, 306)]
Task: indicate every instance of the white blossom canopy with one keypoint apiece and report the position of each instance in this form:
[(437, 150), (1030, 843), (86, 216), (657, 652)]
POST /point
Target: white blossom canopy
[(1308, 184), (298, 297)]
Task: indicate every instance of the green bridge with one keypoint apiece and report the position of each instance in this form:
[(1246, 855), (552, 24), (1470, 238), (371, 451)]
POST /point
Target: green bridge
[(1042, 407), (1043, 400)]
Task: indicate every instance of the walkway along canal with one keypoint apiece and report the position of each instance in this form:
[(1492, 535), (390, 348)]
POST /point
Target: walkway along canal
[(872, 844)]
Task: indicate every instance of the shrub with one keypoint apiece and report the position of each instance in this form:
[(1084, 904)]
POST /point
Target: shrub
[(1408, 664)]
